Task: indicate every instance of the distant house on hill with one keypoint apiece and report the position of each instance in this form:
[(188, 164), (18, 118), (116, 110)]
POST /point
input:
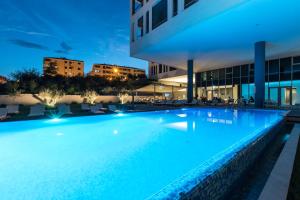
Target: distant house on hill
[(3, 80)]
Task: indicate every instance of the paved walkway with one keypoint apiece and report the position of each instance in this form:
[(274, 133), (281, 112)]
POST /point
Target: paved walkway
[(278, 183)]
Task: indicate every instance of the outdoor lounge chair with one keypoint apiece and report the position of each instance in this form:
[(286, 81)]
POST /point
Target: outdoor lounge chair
[(85, 107), (180, 102), (100, 106), (37, 110), (201, 103), (64, 109), (194, 102), (96, 109), (3, 113), (113, 108), (169, 103), (12, 109)]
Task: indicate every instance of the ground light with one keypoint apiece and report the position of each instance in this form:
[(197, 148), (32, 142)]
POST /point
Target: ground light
[(55, 120), (120, 114)]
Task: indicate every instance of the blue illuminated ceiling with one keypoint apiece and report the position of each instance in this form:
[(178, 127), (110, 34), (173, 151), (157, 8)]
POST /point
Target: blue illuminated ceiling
[(227, 38)]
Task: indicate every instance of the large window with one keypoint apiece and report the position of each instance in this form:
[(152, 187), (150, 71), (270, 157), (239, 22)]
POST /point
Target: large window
[(274, 70), (175, 7), (285, 69), (203, 79), (132, 32), (215, 77), (296, 68), (136, 5), (188, 3), (222, 76), (209, 78), (140, 28), (159, 13), (147, 22)]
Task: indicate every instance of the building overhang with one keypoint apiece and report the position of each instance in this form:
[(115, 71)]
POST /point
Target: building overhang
[(222, 33), (176, 79)]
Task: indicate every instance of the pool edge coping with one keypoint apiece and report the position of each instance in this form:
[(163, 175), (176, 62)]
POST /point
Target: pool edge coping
[(277, 185)]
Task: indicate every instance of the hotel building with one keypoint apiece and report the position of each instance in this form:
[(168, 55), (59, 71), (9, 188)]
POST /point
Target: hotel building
[(64, 67), (163, 72), (115, 71), (234, 48), (3, 80)]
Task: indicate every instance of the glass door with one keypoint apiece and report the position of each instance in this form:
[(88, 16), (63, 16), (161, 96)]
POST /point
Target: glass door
[(286, 96), (281, 96), (273, 96)]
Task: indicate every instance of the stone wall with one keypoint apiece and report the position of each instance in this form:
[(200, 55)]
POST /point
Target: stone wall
[(29, 99), (218, 184)]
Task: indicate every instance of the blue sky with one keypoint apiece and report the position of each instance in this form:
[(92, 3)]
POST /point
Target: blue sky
[(94, 31)]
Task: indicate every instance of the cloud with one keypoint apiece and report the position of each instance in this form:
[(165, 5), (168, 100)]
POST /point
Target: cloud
[(66, 47), (27, 44), (61, 52), (26, 32)]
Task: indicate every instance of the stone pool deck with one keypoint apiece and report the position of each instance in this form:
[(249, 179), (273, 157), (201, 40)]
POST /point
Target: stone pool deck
[(278, 183)]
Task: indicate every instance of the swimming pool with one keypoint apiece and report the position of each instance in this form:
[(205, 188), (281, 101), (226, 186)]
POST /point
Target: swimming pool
[(122, 156)]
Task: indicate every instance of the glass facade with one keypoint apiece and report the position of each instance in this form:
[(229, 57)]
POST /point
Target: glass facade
[(282, 82), (156, 17)]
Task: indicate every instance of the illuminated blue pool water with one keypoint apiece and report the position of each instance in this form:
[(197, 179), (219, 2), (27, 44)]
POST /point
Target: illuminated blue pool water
[(130, 156)]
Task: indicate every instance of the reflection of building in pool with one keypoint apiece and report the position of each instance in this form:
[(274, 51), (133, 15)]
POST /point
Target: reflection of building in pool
[(231, 46)]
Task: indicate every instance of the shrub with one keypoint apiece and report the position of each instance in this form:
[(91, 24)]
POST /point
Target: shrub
[(90, 96), (50, 96)]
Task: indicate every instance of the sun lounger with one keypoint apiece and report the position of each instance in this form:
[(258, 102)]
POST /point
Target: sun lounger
[(37, 110), (100, 106), (194, 102), (85, 107), (12, 109), (3, 113), (96, 109), (180, 102), (169, 103), (113, 108), (64, 109)]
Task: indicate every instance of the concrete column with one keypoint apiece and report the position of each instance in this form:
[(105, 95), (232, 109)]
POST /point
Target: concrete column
[(190, 85), (259, 73)]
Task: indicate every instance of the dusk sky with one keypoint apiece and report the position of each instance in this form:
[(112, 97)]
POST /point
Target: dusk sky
[(94, 31)]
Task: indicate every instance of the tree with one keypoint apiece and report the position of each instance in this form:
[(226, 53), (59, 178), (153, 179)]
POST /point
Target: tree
[(50, 96), (123, 95), (90, 96), (28, 80), (12, 88), (51, 70)]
